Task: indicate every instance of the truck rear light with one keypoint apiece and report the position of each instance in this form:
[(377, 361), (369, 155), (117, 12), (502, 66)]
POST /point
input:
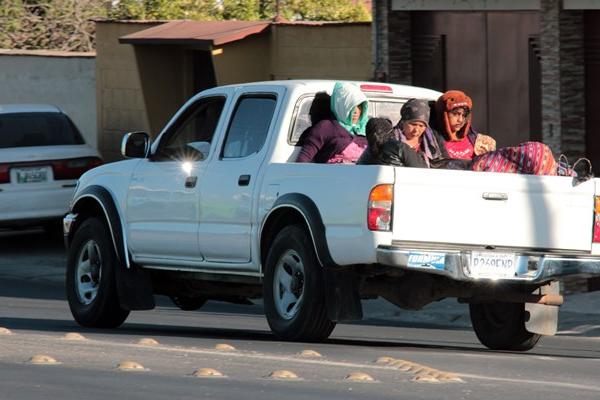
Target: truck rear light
[(596, 237), (376, 88), (379, 213), (74, 168)]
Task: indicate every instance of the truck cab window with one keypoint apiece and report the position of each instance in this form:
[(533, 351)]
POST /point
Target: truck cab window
[(249, 126), (191, 135)]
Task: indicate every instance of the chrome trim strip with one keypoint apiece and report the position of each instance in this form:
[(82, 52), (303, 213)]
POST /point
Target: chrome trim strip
[(203, 270), (408, 244)]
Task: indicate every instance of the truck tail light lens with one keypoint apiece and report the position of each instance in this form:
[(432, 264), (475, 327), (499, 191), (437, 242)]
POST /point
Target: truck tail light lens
[(379, 213), (596, 237)]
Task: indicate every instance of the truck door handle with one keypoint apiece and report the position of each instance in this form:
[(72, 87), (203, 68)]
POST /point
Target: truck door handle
[(494, 196), (244, 180), (190, 181)]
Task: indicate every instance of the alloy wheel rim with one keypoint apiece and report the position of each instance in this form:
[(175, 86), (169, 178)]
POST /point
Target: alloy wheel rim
[(288, 284), (88, 272)]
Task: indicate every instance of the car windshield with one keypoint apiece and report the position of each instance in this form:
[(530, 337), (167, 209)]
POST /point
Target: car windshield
[(37, 129)]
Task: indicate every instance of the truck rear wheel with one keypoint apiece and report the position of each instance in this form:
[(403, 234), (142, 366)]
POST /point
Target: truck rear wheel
[(501, 326), (294, 292), (91, 284)]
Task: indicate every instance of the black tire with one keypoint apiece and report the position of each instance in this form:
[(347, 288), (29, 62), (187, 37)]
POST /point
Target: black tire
[(97, 306), (188, 303), (306, 319), (53, 229), (501, 326)]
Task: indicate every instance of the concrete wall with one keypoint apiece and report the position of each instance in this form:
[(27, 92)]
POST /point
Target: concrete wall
[(327, 51), (243, 61), (121, 106), (140, 86), (66, 80)]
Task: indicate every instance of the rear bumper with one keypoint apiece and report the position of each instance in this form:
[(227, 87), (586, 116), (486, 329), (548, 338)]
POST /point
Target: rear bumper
[(454, 264)]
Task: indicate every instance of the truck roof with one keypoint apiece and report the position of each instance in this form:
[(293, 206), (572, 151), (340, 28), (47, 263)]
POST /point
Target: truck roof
[(371, 89)]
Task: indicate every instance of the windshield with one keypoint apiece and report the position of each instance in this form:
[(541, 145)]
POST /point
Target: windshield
[(37, 129)]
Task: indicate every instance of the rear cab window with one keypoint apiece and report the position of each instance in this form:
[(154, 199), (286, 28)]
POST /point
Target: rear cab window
[(378, 107)]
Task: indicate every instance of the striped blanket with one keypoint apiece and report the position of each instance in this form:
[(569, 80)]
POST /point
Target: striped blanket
[(533, 158)]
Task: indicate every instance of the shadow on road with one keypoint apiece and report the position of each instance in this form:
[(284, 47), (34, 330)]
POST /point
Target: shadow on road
[(157, 331)]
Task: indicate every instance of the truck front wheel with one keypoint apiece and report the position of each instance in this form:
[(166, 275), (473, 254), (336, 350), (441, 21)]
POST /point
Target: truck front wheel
[(91, 284), (501, 326), (294, 292)]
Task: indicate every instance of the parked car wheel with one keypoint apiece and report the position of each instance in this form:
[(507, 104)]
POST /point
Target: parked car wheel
[(294, 292), (91, 284), (188, 303), (501, 326)]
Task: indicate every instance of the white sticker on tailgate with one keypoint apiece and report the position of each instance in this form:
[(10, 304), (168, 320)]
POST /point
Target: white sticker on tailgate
[(492, 265), (418, 259)]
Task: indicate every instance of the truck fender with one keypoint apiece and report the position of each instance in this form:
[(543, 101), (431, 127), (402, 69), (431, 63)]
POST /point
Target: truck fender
[(102, 197), (134, 285), (342, 294), (304, 206)]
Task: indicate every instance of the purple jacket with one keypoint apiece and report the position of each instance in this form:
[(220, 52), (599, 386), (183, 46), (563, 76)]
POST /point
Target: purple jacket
[(323, 141)]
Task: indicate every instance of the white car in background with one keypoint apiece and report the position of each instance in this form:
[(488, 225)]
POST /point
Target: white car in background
[(42, 154)]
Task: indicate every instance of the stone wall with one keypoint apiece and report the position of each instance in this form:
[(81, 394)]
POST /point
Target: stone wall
[(400, 61), (572, 84), (563, 79)]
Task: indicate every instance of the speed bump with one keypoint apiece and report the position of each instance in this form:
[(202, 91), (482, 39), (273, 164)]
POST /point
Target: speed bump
[(359, 377), (74, 336), (208, 373), (425, 378), (309, 354), (224, 347), (41, 359), (385, 360), (282, 374), (147, 342), (130, 366), (5, 331)]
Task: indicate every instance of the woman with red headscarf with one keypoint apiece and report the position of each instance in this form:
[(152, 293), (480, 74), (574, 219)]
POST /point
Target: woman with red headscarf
[(459, 139)]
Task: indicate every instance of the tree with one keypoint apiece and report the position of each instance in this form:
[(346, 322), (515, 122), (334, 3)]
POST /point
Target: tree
[(164, 9), (53, 24), (67, 24)]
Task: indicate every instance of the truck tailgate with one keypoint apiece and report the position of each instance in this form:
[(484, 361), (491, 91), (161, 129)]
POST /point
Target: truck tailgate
[(466, 208)]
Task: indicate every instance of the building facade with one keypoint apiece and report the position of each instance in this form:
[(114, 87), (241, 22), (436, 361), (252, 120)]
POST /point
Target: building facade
[(531, 66)]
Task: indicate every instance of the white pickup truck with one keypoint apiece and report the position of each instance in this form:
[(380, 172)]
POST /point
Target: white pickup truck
[(216, 208)]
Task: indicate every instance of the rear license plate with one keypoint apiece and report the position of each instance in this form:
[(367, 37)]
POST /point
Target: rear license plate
[(32, 175), (492, 265)]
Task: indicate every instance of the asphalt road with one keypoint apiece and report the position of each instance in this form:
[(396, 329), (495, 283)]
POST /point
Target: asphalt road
[(429, 359)]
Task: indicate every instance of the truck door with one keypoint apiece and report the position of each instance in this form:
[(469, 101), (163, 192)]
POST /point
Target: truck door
[(228, 187), (163, 198)]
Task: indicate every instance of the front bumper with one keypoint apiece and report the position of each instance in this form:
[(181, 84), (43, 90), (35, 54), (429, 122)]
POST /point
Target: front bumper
[(68, 222), (455, 265)]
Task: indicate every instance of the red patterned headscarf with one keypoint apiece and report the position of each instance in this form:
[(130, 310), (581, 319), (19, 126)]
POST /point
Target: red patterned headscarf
[(449, 101)]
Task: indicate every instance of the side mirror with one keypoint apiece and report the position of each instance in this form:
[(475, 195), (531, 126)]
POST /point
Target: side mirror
[(135, 145)]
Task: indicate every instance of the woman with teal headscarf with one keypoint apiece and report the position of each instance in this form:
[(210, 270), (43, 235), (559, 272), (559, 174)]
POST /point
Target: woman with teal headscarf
[(339, 140)]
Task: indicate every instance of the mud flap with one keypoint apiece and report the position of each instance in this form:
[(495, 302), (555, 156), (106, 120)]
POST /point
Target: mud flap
[(342, 296), (135, 288), (540, 318)]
